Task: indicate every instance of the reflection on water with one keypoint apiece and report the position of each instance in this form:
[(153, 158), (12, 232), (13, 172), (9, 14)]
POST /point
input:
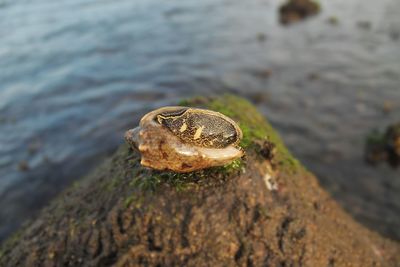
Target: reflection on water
[(75, 74)]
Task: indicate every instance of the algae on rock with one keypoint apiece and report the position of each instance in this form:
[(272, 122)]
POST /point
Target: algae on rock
[(265, 210)]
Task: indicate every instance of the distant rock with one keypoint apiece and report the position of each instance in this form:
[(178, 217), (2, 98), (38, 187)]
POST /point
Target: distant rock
[(297, 10), (385, 146)]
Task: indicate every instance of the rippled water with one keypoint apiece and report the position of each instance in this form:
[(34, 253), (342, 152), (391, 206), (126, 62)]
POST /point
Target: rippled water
[(75, 74)]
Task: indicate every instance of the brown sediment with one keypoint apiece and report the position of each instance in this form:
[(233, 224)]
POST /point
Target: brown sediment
[(125, 215)]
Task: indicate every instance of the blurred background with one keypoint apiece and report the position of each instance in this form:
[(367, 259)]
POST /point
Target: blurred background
[(74, 75)]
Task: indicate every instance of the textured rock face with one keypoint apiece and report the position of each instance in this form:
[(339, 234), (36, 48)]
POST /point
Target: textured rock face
[(266, 211)]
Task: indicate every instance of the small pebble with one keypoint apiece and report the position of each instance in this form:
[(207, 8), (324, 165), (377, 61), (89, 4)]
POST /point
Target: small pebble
[(394, 35), (270, 182), (387, 106), (33, 147), (261, 37), (23, 166), (313, 76), (365, 25), (333, 20)]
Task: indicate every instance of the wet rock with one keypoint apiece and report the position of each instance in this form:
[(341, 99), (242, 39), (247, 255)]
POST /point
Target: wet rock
[(375, 150), (23, 166), (266, 149), (387, 106), (34, 146), (297, 10), (333, 20), (261, 73), (365, 25), (313, 76), (394, 35), (250, 213), (384, 147), (261, 37), (392, 137)]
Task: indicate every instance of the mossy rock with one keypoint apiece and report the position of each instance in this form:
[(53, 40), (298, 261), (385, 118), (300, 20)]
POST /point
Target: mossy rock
[(264, 210), (384, 146)]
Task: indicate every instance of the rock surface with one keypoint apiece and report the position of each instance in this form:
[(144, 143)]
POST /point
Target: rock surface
[(297, 10), (385, 146), (265, 210)]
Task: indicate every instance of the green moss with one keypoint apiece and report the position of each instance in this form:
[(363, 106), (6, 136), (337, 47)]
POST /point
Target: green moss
[(254, 126), (112, 184), (184, 102), (235, 165), (147, 183), (375, 137), (128, 201), (134, 199), (152, 180), (9, 244), (76, 184)]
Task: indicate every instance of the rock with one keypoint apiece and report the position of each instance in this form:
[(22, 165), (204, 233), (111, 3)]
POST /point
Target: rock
[(264, 210), (261, 37), (381, 147), (392, 137), (34, 147), (313, 76), (333, 20), (23, 166), (262, 73), (394, 35), (375, 149), (297, 10), (388, 106), (365, 25)]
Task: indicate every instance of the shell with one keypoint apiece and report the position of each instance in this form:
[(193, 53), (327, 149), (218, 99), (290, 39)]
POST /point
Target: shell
[(183, 139)]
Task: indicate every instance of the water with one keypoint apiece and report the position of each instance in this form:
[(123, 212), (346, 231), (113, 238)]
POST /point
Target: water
[(74, 75)]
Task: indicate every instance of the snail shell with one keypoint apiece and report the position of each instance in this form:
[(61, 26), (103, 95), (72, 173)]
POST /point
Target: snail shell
[(183, 139)]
